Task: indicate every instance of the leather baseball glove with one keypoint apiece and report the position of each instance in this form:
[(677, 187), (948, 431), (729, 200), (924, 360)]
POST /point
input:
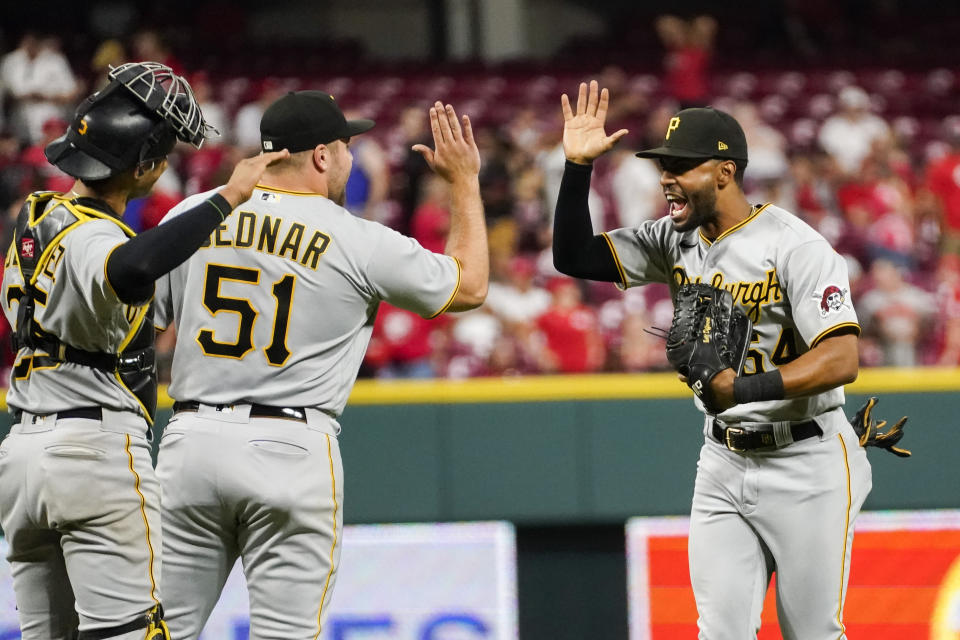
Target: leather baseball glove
[(869, 430), (708, 334)]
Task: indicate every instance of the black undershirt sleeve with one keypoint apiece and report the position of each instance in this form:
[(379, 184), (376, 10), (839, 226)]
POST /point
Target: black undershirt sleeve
[(133, 267), (577, 251)]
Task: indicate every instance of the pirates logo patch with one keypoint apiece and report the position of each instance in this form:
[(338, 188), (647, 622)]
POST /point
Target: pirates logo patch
[(831, 300)]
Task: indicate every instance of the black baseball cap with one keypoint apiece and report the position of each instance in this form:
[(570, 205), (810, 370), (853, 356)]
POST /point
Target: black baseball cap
[(301, 120), (701, 132)]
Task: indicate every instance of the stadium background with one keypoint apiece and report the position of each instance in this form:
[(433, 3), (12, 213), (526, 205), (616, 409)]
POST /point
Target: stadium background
[(568, 458)]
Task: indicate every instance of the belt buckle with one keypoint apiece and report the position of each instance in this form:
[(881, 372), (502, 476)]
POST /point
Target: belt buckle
[(727, 433)]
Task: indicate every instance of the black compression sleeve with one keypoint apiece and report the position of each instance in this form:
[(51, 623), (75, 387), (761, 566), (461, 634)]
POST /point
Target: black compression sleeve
[(576, 251), (134, 265)]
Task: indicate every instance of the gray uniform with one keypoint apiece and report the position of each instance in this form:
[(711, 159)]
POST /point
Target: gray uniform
[(78, 497), (272, 317), (788, 508)]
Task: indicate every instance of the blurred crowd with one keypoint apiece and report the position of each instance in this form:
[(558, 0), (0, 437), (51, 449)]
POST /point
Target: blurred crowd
[(892, 211)]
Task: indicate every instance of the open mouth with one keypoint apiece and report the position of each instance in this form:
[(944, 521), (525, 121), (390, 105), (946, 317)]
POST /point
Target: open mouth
[(678, 205)]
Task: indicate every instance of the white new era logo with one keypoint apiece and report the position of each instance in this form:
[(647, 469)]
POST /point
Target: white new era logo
[(267, 145)]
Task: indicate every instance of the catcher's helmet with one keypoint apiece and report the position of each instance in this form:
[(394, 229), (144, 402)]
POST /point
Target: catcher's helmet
[(135, 119)]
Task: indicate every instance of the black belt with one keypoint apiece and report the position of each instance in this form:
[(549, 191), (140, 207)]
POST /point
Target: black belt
[(760, 436), (85, 413), (256, 410)]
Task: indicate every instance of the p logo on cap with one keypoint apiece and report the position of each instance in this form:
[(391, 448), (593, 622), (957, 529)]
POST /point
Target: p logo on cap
[(706, 133), (674, 123)]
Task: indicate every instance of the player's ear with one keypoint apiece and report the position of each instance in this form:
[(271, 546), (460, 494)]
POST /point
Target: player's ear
[(726, 170), (321, 157)]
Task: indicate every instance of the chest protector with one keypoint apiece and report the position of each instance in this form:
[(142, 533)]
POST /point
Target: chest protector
[(43, 222)]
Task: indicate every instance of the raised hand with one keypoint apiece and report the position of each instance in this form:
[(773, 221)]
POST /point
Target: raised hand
[(455, 155), (247, 174), (583, 136)]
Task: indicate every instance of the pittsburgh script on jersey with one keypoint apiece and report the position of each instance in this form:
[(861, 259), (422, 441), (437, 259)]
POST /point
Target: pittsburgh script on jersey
[(271, 235), (750, 295)]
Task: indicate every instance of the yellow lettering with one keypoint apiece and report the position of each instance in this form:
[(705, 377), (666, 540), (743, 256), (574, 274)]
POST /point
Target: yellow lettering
[(721, 146), (246, 223), (268, 234), (674, 123), (53, 262), (82, 130), (292, 241), (218, 239), (751, 295), (318, 245)]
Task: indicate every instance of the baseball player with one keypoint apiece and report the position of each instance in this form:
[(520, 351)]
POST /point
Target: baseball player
[(273, 317), (79, 503), (781, 476)]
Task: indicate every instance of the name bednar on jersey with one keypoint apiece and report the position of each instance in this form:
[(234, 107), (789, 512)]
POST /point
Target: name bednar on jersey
[(245, 230)]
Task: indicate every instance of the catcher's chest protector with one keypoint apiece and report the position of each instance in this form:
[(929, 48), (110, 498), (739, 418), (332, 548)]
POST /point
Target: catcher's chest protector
[(41, 226)]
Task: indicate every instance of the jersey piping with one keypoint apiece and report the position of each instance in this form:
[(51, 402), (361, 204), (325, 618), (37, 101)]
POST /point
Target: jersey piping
[(456, 289), (823, 334), (742, 223), (289, 192), (616, 260)]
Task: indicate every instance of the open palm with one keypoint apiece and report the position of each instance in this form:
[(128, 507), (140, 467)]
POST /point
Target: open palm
[(583, 136)]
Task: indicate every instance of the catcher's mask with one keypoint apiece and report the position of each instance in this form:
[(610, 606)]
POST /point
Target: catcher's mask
[(135, 119)]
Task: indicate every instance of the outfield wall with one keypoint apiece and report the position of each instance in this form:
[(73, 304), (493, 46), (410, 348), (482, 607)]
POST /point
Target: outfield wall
[(590, 449)]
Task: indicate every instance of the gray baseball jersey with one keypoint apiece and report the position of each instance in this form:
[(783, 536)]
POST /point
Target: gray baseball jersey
[(782, 274), (78, 499), (788, 509), (275, 312), (86, 314), (281, 302)]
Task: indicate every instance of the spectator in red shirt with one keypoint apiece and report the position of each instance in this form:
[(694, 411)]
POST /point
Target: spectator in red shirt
[(947, 332), (401, 345), (689, 48), (41, 175), (431, 219), (943, 179), (573, 343)]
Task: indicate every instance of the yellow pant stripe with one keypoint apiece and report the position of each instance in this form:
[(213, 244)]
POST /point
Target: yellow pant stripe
[(336, 506), (146, 522), (846, 536)]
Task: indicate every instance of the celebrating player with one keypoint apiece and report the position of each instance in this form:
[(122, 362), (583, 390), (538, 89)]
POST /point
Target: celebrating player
[(781, 476), (273, 317), (79, 502)]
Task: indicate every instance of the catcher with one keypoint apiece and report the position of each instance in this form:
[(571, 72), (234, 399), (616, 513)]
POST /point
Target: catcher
[(79, 502)]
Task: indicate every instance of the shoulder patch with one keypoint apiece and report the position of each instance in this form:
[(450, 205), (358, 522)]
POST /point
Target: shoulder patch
[(831, 299)]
